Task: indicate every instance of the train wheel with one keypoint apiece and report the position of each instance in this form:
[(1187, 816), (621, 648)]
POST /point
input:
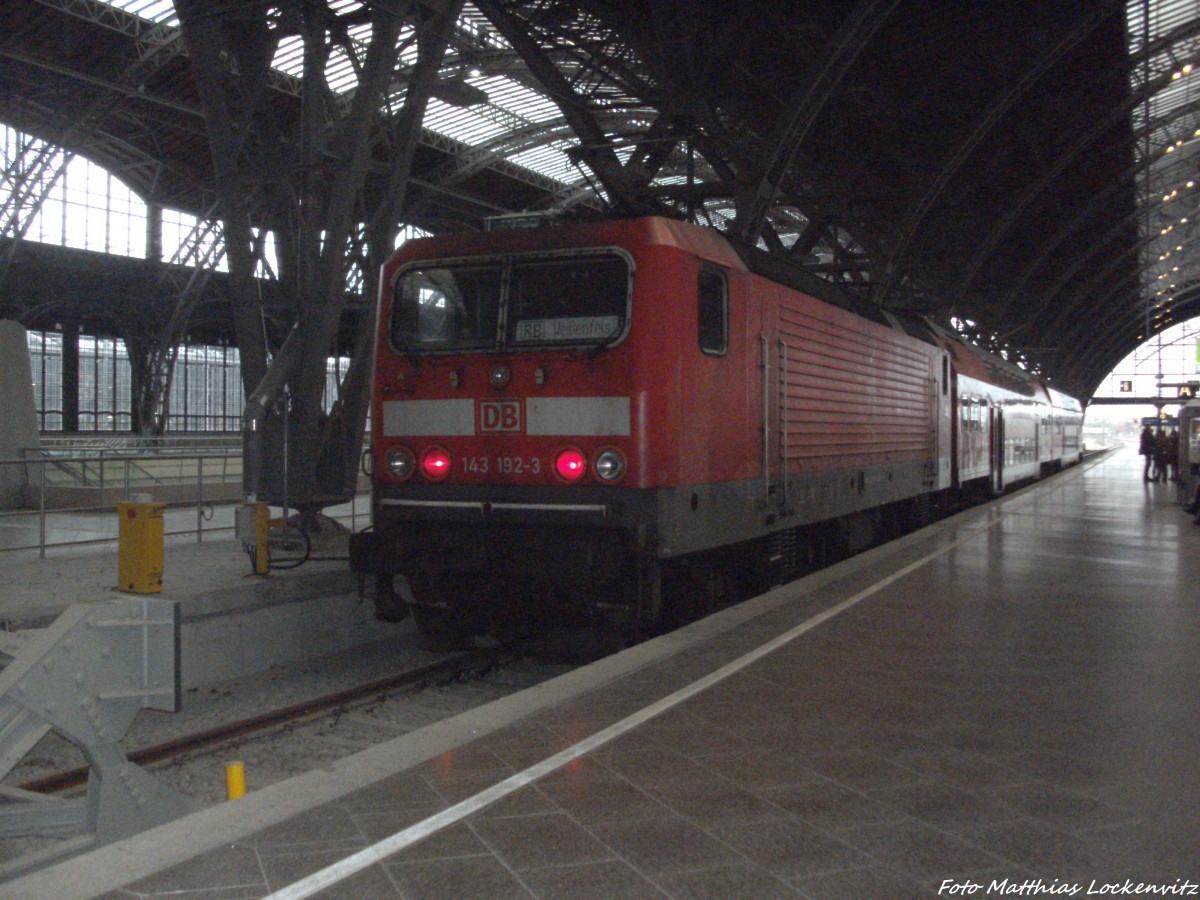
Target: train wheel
[(694, 589), (389, 605), (441, 629), (445, 612)]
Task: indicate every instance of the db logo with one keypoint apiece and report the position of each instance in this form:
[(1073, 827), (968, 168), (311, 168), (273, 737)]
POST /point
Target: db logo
[(499, 416)]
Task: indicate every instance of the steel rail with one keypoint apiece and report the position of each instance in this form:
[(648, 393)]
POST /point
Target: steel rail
[(453, 665)]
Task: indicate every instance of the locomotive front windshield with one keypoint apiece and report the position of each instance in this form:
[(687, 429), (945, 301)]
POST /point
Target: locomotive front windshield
[(514, 303)]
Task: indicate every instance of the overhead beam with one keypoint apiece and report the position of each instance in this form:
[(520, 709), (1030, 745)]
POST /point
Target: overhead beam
[(595, 146), (908, 228), (1073, 225), (797, 119)]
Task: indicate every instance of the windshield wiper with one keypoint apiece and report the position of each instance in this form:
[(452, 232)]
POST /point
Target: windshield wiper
[(606, 342)]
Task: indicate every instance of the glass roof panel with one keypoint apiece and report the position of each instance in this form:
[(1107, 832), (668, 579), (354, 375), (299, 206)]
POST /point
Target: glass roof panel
[(160, 12), (511, 105)]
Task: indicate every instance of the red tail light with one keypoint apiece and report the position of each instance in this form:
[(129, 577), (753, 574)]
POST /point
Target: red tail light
[(435, 463), (570, 464)]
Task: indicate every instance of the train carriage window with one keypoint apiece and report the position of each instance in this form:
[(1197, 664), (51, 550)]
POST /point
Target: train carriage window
[(569, 300), (523, 301), (713, 309), (439, 307)]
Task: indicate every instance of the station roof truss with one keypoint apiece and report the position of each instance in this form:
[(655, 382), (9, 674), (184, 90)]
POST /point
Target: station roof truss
[(1023, 172)]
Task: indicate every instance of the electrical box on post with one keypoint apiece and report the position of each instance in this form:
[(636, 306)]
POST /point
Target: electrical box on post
[(140, 547)]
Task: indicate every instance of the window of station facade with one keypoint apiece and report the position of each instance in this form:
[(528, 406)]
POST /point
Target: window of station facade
[(72, 202), (206, 390)]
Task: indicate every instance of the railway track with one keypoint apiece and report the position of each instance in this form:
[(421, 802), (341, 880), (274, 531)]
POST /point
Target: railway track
[(451, 667), (295, 737)]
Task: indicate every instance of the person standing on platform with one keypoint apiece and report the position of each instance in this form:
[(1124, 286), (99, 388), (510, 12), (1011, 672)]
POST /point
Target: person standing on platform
[(1146, 450), (1159, 472), (1173, 455)]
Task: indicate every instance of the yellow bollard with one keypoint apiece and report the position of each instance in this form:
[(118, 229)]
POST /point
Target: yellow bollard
[(140, 547), (235, 780), (252, 524)]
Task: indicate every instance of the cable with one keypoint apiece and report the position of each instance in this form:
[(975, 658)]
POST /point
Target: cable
[(291, 563)]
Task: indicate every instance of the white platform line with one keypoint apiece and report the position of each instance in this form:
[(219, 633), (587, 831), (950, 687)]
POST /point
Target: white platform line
[(355, 863)]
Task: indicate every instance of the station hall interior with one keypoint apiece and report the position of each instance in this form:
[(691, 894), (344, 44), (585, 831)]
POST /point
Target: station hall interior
[(199, 215)]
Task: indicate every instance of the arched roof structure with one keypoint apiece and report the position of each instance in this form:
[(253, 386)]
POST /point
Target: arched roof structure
[(1022, 170)]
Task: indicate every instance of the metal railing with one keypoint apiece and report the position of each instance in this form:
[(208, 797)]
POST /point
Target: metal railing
[(132, 444), (58, 497), (104, 470)]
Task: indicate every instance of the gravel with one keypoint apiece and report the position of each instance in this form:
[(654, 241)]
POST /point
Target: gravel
[(290, 749)]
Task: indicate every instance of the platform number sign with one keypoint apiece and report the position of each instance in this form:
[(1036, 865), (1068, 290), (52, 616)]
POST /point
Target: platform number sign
[(1189, 390)]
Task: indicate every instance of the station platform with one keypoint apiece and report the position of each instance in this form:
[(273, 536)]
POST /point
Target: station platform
[(1005, 702), (232, 622)]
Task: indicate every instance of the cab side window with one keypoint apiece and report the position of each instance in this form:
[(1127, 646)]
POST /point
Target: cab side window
[(713, 312)]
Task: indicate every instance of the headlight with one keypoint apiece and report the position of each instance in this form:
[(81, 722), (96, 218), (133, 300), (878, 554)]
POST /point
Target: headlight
[(401, 463), (570, 465), (610, 465), (435, 463), (499, 375)]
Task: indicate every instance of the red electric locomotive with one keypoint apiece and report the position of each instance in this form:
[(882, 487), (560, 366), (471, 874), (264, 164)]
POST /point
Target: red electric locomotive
[(634, 420)]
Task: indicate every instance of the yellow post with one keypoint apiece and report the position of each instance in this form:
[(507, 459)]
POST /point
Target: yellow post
[(262, 532), (140, 547), (235, 780), (252, 526)]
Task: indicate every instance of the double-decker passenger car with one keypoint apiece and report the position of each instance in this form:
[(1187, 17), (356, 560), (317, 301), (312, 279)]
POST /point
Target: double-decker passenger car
[(632, 419)]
